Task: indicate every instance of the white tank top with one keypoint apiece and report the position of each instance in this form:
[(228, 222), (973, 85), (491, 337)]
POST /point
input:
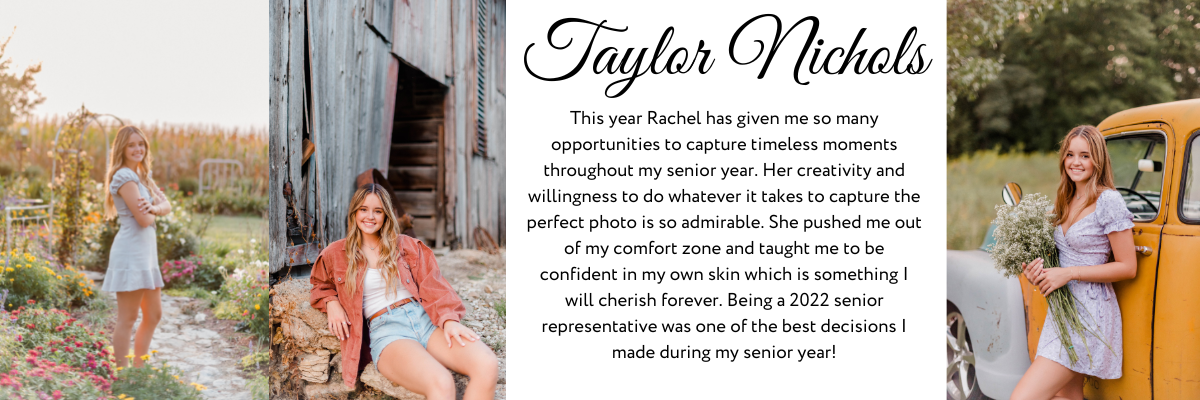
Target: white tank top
[(375, 297)]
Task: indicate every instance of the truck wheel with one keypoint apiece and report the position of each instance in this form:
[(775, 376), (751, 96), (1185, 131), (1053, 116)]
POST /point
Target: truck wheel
[(960, 359)]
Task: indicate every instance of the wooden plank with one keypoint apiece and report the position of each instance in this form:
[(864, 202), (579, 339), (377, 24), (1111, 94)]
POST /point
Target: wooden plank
[(276, 145), (423, 227), (302, 254), (417, 204), (414, 154), (439, 219), (420, 34), (415, 131), (389, 111), (413, 177)]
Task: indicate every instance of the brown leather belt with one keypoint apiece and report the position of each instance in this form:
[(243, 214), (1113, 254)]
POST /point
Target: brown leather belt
[(389, 308)]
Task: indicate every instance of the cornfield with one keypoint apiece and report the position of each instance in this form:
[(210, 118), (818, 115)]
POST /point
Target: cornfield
[(177, 149)]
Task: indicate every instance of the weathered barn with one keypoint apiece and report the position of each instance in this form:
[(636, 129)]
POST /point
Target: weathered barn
[(412, 88)]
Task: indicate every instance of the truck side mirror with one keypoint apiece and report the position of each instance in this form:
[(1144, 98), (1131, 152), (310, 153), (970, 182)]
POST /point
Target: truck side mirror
[(1149, 166), (1011, 193)]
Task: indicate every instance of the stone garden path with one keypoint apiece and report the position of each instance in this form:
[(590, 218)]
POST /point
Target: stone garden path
[(190, 338)]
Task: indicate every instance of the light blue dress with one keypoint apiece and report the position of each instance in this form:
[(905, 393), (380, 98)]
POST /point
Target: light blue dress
[(1086, 243), (133, 259)]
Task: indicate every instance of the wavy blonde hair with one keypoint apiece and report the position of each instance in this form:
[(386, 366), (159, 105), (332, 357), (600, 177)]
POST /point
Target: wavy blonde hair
[(116, 159), (389, 233), (1101, 179)]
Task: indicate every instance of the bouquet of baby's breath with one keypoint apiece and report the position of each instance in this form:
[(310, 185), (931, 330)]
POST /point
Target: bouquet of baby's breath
[(1024, 233)]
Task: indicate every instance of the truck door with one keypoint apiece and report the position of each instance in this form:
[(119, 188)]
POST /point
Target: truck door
[(1177, 309)]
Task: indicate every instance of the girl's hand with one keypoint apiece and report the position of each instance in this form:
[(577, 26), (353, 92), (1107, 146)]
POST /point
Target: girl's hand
[(145, 206), (1052, 278), (453, 329), (1032, 270), (338, 324)]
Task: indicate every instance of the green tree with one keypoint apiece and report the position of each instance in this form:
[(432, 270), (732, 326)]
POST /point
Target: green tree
[(1077, 67), (18, 92), (974, 29)]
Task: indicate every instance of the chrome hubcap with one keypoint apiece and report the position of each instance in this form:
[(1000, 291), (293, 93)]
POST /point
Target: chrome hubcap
[(960, 360)]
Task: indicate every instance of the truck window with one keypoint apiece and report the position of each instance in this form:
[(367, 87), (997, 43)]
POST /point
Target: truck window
[(1141, 188), (1190, 206)]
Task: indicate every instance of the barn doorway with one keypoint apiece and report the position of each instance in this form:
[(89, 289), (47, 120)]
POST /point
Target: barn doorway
[(417, 162)]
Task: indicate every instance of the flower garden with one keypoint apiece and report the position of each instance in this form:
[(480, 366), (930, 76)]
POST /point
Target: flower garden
[(55, 324)]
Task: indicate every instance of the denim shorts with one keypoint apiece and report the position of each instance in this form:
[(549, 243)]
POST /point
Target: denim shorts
[(408, 321)]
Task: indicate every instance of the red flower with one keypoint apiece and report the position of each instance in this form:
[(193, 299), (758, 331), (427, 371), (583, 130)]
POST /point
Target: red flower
[(58, 328), (29, 326), (30, 301)]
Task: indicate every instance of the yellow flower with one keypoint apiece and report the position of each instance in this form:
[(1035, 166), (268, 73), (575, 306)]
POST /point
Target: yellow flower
[(145, 357), (122, 396), (256, 307), (10, 269), (118, 369), (153, 351), (176, 376), (129, 356)]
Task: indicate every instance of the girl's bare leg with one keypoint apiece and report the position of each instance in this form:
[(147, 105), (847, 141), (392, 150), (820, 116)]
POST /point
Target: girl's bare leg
[(1047, 379), (475, 360), (127, 313), (406, 363), (151, 313)]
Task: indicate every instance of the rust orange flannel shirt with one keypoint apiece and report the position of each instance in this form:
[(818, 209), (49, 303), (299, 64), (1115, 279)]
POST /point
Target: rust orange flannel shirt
[(424, 280)]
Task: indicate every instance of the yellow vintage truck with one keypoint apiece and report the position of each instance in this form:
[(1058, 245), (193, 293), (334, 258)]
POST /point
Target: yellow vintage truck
[(993, 323)]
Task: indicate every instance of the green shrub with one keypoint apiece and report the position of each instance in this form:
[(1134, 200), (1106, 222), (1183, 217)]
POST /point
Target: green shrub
[(230, 203), (33, 172), (32, 278), (188, 186), (54, 335), (156, 382), (32, 377), (252, 361), (207, 274), (258, 386), (260, 318)]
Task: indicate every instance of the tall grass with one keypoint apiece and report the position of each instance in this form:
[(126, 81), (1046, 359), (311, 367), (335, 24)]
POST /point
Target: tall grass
[(974, 183), (177, 149)]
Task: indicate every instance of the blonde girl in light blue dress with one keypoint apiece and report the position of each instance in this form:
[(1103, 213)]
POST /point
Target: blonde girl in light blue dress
[(133, 260)]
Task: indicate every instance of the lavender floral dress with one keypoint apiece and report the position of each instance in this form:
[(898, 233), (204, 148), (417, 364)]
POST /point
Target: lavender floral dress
[(1086, 243)]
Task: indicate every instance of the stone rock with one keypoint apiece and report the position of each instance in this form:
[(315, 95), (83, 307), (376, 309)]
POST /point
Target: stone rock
[(315, 367), (207, 375), (336, 390), (299, 323), (200, 318)]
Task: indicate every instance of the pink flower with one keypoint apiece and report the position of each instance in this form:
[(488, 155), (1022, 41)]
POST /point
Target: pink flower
[(31, 302)]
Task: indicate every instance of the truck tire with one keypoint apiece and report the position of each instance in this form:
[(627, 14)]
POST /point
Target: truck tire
[(961, 383)]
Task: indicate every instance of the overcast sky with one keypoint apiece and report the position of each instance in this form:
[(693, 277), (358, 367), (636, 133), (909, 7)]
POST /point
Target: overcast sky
[(146, 61)]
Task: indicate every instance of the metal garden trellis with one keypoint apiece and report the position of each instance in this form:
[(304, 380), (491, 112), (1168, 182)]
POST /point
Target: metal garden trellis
[(88, 118)]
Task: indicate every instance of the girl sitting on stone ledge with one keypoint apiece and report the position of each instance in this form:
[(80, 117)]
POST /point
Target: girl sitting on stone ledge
[(383, 288)]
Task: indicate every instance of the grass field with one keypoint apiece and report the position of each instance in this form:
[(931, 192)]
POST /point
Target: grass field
[(236, 231), (973, 185)]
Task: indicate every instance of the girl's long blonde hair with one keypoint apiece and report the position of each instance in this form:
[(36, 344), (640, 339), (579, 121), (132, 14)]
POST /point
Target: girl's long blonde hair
[(117, 161), (1101, 179), (389, 233)]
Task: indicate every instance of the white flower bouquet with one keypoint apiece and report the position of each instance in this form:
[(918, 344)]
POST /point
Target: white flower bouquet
[(1024, 233)]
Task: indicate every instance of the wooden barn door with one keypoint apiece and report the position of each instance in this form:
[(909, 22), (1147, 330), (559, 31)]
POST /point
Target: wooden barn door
[(416, 161)]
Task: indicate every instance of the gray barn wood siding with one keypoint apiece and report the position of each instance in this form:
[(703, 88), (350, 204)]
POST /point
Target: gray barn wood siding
[(353, 57)]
